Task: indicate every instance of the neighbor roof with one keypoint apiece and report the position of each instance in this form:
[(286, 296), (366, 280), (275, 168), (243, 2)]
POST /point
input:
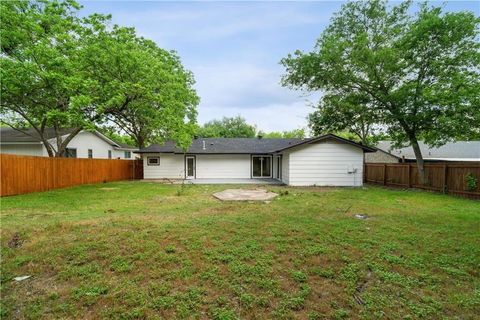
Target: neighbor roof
[(31, 136), (10, 135), (240, 145), (126, 146), (451, 151)]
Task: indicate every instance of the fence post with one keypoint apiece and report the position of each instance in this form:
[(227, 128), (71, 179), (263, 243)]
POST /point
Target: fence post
[(384, 174), (445, 177), (364, 172), (134, 169), (409, 183)]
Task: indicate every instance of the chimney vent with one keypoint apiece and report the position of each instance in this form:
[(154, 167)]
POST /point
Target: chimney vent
[(203, 147)]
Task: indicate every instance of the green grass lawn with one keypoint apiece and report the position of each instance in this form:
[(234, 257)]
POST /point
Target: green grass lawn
[(133, 250)]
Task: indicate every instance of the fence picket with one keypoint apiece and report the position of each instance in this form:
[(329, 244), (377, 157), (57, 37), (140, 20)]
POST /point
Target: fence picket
[(443, 177), (25, 174)]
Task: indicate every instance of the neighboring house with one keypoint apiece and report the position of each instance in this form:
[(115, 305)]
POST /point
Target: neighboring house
[(452, 151), (324, 161), (86, 144)]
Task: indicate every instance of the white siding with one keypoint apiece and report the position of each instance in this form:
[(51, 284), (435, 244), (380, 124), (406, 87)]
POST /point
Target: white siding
[(171, 167), (285, 168), (325, 164), (23, 149), (228, 166), (86, 140)]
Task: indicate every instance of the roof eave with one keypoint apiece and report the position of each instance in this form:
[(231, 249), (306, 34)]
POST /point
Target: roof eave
[(328, 136)]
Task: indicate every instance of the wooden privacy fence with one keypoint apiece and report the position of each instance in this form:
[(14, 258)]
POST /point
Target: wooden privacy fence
[(442, 177), (25, 174)]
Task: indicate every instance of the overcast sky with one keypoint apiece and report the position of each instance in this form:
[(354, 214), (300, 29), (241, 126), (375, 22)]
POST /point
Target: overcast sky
[(234, 49)]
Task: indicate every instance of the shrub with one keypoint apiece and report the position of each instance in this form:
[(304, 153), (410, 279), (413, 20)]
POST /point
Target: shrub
[(472, 182)]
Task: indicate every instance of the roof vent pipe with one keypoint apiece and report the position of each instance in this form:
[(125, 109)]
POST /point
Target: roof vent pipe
[(203, 147)]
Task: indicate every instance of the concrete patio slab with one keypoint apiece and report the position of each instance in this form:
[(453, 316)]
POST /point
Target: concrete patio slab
[(245, 195)]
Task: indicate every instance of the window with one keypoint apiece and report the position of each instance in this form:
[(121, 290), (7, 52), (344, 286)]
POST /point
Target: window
[(128, 154), (109, 154), (71, 153), (153, 161), (261, 166), (90, 153)]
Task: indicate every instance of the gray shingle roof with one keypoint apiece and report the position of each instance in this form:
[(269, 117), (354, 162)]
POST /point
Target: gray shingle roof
[(225, 145), (126, 145), (241, 145), (10, 135), (461, 150)]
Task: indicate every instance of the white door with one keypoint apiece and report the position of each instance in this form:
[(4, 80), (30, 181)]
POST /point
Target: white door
[(190, 167)]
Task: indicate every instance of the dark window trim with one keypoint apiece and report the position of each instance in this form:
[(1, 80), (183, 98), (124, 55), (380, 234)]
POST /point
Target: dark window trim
[(90, 153), (148, 161), (68, 156)]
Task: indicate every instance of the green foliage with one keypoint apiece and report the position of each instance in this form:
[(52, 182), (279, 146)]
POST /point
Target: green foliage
[(235, 127), (472, 182), (349, 115), (298, 276), (120, 264), (112, 134), (413, 73), (296, 133), (62, 71)]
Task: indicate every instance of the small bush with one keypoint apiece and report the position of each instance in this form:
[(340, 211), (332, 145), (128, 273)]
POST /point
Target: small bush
[(299, 276), (119, 264), (472, 182), (170, 249)]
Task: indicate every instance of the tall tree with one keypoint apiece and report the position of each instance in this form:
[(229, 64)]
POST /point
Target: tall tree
[(144, 89), (349, 113), (420, 71), (40, 84), (235, 127), (60, 71)]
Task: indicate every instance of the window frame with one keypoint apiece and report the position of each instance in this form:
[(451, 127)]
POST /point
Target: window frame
[(129, 154), (67, 153), (154, 164), (109, 154), (90, 153), (261, 166)]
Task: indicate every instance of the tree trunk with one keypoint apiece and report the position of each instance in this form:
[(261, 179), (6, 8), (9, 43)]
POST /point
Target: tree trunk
[(420, 163), (62, 148), (140, 142), (49, 149)]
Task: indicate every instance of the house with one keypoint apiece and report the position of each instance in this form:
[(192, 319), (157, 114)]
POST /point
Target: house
[(86, 144), (451, 151), (324, 161)]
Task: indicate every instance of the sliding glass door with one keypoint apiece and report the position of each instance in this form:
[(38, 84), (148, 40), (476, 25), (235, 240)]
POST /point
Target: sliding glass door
[(261, 166)]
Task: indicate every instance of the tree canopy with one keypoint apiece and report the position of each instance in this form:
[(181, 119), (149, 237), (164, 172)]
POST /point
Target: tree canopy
[(296, 133), (234, 127), (237, 127), (62, 71), (418, 72)]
